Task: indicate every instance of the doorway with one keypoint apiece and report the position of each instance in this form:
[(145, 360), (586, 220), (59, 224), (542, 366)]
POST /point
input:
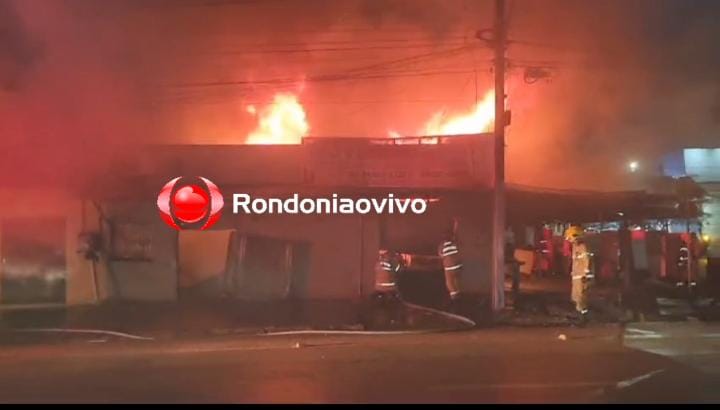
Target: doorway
[(227, 263)]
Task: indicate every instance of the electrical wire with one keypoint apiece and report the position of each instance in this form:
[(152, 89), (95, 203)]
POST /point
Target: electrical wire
[(218, 94), (556, 47), (281, 81), (325, 50), (363, 41), (363, 72), (412, 59)]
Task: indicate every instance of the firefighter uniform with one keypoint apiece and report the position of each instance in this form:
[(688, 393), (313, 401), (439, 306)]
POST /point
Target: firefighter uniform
[(683, 263), (452, 265), (580, 273), (386, 269), (687, 261)]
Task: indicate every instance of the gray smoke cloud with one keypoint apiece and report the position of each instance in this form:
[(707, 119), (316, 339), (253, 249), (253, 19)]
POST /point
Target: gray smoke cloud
[(18, 50), (84, 79)]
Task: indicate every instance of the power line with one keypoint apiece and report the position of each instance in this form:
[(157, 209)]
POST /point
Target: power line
[(364, 72), (413, 59), (369, 102), (217, 3), (282, 81), (330, 49), (556, 47), (364, 40), (218, 92)]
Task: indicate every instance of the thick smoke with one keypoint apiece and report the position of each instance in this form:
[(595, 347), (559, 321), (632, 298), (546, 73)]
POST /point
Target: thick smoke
[(82, 79), (18, 50), (634, 80), (73, 91)]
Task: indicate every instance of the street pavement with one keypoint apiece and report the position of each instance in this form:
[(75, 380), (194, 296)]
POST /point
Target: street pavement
[(692, 342), (599, 363)]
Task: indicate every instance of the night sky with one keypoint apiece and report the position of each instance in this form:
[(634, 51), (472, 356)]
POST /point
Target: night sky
[(629, 79)]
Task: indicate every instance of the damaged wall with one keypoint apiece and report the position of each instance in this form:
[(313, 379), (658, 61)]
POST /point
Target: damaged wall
[(143, 252), (343, 248), (34, 204), (337, 259)]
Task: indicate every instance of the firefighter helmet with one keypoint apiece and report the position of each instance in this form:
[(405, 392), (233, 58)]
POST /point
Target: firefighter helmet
[(573, 233)]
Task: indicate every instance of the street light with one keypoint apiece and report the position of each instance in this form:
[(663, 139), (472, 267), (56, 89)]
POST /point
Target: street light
[(633, 166)]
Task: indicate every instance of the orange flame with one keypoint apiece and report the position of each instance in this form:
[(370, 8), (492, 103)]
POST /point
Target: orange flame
[(281, 122), (480, 119)]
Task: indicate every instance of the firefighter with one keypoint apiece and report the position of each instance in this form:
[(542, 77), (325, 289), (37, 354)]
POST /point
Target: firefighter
[(452, 264), (581, 274), (683, 261), (387, 307), (386, 269)]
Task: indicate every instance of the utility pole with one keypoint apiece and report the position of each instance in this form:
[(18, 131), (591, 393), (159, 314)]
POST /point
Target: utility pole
[(498, 214)]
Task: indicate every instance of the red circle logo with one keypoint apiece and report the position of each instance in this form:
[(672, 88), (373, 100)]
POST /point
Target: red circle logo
[(190, 203)]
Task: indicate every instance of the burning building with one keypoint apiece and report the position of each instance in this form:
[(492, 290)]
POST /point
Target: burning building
[(111, 244)]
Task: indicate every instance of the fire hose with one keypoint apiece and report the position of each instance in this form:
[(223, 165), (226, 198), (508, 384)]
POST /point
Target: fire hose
[(468, 322), (84, 331)]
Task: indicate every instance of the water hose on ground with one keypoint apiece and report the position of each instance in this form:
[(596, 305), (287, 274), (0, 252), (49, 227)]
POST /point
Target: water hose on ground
[(470, 323), (84, 331)]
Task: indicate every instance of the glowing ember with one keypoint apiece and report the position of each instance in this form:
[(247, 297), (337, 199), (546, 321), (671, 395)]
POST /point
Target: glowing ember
[(480, 119), (282, 122)]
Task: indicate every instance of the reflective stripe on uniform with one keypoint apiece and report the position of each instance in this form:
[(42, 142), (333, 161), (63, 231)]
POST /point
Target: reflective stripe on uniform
[(578, 276), (457, 292), (454, 267), (448, 248), (387, 284)]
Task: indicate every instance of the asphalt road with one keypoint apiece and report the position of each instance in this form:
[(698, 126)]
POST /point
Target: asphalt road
[(491, 365)]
